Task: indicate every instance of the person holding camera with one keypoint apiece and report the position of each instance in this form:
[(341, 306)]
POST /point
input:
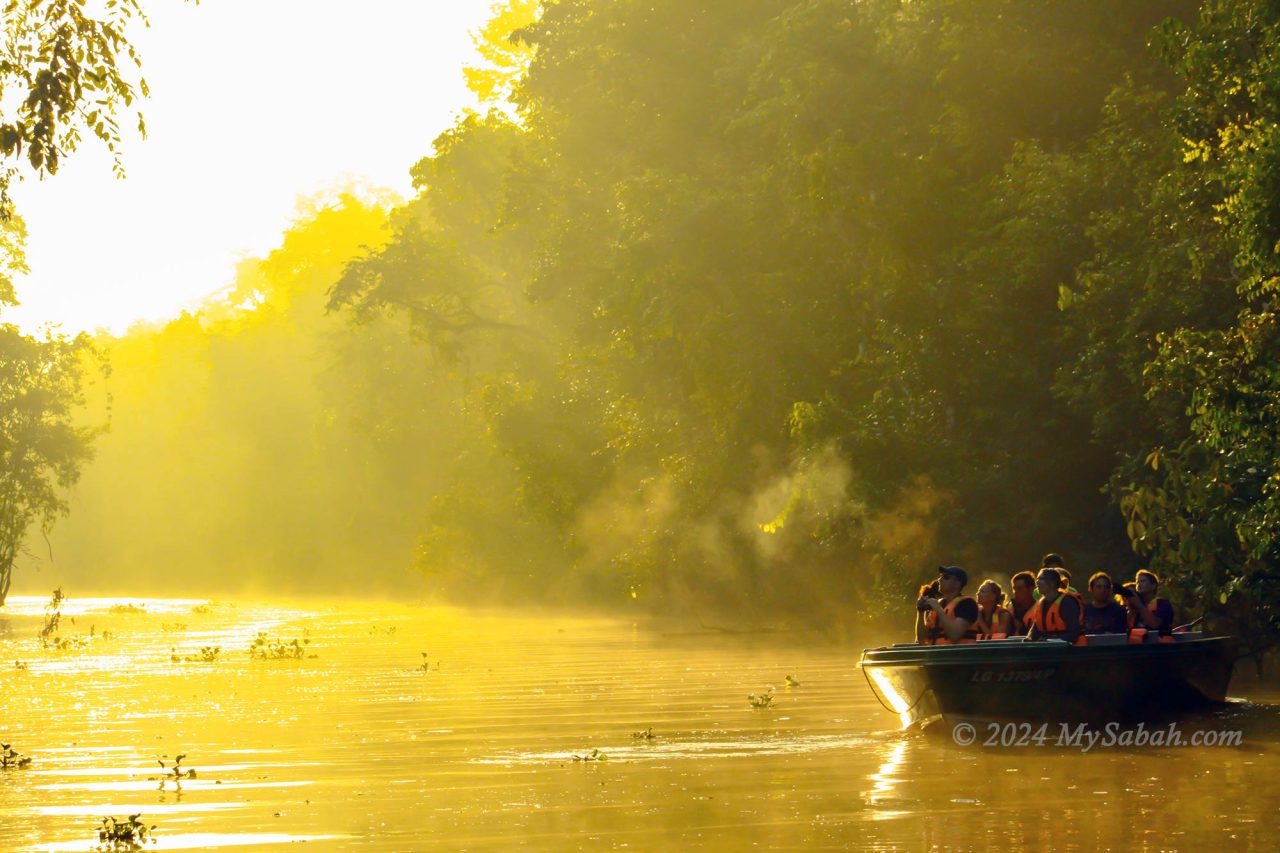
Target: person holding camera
[(1103, 614), (943, 614), (1056, 616), (1146, 609)]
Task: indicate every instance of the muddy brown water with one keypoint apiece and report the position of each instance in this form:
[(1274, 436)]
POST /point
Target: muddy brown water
[(520, 733)]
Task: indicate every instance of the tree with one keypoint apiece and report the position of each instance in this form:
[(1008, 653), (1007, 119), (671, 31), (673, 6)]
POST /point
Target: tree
[(505, 53), (41, 448), (66, 73), (797, 266), (1205, 507)]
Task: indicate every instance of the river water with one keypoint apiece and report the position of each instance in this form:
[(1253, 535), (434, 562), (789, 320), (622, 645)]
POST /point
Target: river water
[(407, 728)]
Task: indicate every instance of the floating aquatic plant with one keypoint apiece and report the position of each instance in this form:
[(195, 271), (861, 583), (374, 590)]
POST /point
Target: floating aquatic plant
[(265, 648), (10, 758), (126, 608), (208, 654), (593, 755), (761, 700), (49, 636), (176, 770), (128, 834)]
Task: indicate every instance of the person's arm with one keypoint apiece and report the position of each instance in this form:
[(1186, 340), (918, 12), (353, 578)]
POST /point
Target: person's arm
[(1163, 613), (1004, 625), (952, 626), (921, 631), (966, 615), (1071, 615), (1148, 619), (1028, 619)]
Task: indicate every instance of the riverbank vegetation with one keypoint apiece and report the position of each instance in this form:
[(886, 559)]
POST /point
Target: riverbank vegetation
[(760, 306)]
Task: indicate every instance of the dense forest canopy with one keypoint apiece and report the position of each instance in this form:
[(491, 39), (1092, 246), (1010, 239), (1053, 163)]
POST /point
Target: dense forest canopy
[(755, 305)]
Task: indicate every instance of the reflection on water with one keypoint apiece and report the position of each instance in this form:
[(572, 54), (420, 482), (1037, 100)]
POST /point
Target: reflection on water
[(887, 776), (210, 841), (361, 747)]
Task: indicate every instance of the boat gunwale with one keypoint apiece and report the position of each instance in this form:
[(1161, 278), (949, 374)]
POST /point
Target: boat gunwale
[(1009, 651)]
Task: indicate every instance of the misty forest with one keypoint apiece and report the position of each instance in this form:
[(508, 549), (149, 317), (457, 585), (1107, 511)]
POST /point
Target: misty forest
[(763, 307), (701, 342)]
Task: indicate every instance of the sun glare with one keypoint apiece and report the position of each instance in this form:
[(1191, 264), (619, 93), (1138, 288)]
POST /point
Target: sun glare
[(252, 106)]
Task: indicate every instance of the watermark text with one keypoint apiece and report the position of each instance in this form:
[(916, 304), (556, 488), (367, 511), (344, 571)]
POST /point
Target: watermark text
[(1084, 737)]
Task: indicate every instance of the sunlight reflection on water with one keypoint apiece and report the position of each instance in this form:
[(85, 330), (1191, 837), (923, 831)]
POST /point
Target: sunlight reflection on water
[(373, 744), (202, 841), (693, 750)]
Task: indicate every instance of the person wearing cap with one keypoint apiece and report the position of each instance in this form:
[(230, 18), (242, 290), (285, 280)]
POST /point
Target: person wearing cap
[(1056, 616), (950, 616)]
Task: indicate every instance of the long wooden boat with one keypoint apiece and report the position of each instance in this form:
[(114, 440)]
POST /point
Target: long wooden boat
[(1109, 679)]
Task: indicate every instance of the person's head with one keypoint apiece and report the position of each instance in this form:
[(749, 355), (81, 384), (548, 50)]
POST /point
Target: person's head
[(1023, 583), (951, 580), (1101, 588), (990, 594), (1146, 583), (1052, 561), (1049, 582)]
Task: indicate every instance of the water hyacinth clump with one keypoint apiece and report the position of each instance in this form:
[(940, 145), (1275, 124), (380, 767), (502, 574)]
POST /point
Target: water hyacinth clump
[(11, 758), (266, 648), (129, 834)]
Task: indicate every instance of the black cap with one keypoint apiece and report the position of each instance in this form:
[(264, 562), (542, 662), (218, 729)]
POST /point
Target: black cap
[(955, 572)]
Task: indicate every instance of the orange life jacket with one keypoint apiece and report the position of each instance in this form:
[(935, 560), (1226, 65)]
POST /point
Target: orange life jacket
[(1133, 615), (1020, 625), (934, 625), (1049, 620), (987, 630)]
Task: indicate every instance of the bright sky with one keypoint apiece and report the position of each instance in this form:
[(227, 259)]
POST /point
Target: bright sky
[(254, 104)]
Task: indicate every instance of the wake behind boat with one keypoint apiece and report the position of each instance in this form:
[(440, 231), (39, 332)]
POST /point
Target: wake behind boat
[(1109, 679)]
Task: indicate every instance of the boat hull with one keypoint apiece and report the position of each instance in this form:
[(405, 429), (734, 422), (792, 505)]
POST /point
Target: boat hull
[(1011, 680)]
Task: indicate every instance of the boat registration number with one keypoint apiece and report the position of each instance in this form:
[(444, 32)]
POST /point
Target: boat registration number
[(1011, 675)]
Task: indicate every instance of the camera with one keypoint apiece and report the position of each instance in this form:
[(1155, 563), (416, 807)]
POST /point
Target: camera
[(928, 591), (1126, 590)]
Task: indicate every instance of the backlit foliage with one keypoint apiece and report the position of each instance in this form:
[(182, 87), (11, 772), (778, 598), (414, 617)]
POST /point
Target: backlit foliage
[(758, 306), (64, 72)]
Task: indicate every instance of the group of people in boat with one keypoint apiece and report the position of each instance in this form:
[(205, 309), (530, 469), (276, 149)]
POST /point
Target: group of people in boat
[(1042, 606)]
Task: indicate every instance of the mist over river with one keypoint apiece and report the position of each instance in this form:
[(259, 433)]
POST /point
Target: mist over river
[(404, 728)]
